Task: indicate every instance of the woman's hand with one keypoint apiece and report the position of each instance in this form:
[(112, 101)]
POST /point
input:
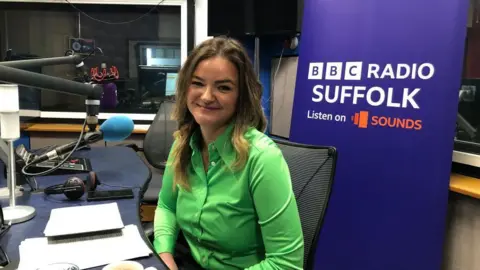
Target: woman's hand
[(167, 258)]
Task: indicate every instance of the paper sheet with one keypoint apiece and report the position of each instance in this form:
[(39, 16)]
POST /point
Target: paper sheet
[(83, 219), (85, 252)]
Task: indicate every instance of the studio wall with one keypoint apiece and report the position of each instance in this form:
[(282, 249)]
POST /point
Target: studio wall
[(270, 47)]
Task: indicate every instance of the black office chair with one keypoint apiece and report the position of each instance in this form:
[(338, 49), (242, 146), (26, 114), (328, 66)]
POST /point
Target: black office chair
[(156, 146), (312, 171)]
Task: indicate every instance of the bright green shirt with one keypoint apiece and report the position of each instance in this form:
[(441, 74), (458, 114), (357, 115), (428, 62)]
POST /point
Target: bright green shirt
[(243, 219)]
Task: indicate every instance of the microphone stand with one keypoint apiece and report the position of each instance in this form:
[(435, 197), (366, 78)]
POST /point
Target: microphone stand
[(9, 132), (12, 72)]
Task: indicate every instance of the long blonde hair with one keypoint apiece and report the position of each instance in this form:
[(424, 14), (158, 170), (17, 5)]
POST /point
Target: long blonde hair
[(249, 112)]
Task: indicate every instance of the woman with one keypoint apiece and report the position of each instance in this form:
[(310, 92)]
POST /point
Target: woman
[(226, 186)]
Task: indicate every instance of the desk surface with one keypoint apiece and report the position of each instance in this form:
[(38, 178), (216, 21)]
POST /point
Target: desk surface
[(465, 185), (50, 127), (128, 170)]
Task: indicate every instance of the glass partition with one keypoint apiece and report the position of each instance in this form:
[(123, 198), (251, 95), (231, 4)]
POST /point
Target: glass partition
[(467, 137), (133, 51)]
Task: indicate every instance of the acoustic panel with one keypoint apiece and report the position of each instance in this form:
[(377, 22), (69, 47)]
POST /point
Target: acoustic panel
[(282, 92)]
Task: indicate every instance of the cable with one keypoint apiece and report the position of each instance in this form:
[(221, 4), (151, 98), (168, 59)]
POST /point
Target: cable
[(24, 169), (279, 62), (273, 87), (115, 23), (275, 76), (29, 182), (45, 149), (62, 201), (7, 260), (274, 113), (3, 230), (72, 52), (35, 181)]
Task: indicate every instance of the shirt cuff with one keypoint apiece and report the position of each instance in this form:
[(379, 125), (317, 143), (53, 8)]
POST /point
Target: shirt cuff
[(164, 244)]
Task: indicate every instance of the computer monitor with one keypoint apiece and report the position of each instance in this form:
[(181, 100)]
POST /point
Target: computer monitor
[(171, 83), (152, 81)]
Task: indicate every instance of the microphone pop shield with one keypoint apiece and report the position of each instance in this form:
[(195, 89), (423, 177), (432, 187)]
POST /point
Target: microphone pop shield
[(117, 128)]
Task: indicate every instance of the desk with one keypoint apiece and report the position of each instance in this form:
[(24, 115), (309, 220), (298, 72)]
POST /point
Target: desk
[(128, 170), (45, 134), (462, 241), (465, 185), (75, 128)]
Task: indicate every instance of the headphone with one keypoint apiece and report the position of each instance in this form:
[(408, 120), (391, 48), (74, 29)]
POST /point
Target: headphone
[(74, 187)]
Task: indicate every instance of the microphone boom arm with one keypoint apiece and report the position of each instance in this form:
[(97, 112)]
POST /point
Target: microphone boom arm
[(43, 62), (36, 80)]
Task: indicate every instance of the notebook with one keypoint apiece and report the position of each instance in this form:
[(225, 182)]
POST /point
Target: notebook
[(83, 219)]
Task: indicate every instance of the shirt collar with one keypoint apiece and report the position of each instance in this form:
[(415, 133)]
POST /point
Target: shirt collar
[(223, 143)]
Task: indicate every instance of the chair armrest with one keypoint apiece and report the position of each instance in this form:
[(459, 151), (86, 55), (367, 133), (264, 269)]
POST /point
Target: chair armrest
[(183, 255), (131, 145), (151, 194), (148, 230)]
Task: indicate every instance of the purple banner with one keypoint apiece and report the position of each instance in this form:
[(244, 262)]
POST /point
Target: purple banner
[(379, 80)]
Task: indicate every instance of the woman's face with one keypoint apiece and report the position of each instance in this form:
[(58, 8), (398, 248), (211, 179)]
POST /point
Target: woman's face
[(213, 92)]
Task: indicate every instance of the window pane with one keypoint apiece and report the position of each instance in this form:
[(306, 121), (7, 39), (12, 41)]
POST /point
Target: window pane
[(137, 41), (467, 137)]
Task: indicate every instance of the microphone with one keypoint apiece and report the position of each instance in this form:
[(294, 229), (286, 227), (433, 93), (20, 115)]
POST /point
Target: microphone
[(23, 153), (116, 128)]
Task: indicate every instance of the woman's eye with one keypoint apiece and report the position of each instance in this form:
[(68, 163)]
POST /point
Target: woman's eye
[(224, 88), (197, 83)]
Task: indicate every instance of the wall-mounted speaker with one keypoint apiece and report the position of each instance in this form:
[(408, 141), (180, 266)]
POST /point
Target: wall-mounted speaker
[(82, 46), (254, 17)]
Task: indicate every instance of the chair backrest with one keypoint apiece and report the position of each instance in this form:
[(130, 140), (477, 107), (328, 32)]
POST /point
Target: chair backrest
[(312, 171), (159, 137)]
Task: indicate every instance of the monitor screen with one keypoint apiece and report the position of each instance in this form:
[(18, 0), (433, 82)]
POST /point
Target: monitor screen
[(171, 84)]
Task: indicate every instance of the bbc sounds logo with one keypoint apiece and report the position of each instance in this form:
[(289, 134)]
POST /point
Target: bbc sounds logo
[(368, 85), (363, 119), (360, 119)]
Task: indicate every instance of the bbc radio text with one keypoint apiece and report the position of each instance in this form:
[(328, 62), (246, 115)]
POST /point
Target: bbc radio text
[(374, 95)]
